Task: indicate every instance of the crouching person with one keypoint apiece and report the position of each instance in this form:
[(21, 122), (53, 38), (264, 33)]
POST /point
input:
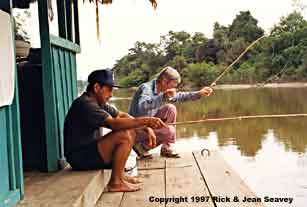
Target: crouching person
[(89, 112)]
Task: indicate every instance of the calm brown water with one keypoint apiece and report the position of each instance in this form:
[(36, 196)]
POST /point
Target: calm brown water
[(269, 154)]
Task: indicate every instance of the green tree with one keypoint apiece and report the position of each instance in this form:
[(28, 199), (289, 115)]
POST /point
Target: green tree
[(200, 60), (245, 26), (142, 62), (174, 43), (289, 42)]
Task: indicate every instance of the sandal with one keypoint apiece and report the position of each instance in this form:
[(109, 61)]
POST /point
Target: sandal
[(141, 152), (169, 153), (146, 155)]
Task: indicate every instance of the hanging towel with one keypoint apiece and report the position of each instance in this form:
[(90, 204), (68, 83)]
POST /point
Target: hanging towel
[(7, 60)]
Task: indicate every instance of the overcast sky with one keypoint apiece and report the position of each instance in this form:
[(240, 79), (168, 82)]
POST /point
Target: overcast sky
[(127, 21)]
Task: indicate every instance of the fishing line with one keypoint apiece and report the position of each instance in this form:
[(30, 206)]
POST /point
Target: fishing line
[(276, 75)]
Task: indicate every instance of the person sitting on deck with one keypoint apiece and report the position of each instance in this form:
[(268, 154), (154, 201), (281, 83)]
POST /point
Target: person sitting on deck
[(148, 101), (85, 151)]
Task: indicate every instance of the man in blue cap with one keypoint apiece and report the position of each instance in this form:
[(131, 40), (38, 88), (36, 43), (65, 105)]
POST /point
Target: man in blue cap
[(85, 151)]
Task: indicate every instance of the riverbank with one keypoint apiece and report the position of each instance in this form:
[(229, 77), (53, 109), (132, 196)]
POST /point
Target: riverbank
[(235, 87)]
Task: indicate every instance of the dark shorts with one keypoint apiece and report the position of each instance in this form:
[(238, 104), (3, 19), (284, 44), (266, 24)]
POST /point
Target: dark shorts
[(87, 158)]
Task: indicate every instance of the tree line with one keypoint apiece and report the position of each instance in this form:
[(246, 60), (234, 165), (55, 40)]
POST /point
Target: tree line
[(281, 56)]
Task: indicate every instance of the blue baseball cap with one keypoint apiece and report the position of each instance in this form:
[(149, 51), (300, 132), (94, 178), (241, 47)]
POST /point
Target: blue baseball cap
[(103, 77)]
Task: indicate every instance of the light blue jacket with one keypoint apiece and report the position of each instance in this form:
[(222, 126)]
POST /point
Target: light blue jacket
[(147, 101)]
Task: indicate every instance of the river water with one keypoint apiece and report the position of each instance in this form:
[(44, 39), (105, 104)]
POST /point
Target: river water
[(268, 153)]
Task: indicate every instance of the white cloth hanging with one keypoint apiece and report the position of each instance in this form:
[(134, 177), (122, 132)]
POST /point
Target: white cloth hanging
[(7, 60)]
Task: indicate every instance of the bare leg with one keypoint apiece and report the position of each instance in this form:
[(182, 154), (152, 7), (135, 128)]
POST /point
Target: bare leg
[(115, 147)]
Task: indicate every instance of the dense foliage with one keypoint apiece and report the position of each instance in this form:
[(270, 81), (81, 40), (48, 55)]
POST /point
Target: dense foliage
[(282, 54)]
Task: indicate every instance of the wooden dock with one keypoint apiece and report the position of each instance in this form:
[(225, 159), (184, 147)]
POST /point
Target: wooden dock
[(193, 180)]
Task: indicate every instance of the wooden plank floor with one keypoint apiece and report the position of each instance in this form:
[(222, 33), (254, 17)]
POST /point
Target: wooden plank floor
[(193, 180), (65, 188), (223, 181)]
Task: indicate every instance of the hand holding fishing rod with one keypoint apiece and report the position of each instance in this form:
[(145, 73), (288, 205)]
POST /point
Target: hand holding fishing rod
[(170, 93), (205, 91)]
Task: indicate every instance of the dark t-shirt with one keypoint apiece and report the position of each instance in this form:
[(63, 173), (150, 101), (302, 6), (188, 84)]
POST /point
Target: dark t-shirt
[(82, 121)]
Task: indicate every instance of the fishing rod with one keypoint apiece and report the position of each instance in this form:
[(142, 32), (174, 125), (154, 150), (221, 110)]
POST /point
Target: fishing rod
[(237, 118), (276, 75), (234, 62), (239, 57)]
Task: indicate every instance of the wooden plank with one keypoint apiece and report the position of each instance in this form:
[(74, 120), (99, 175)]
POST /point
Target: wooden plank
[(4, 172), (63, 43), (10, 147), (109, 199), (69, 76), (186, 160), (10, 199), (66, 189), (223, 181), (74, 75), (64, 67), (158, 163), (61, 80), (57, 65), (68, 89), (153, 186), (35, 180), (150, 164), (185, 183), (93, 191), (17, 139)]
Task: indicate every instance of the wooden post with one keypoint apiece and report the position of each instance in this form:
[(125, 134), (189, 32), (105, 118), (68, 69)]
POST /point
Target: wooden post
[(76, 22), (62, 18), (69, 20), (52, 132)]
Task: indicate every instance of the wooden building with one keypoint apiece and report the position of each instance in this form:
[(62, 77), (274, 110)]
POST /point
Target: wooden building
[(57, 77)]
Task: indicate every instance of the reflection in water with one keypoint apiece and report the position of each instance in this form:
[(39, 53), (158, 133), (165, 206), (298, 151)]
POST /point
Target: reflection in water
[(247, 135), (268, 153)]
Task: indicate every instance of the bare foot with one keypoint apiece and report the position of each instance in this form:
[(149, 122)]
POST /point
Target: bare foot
[(132, 180), (131, 184), (122, 187)]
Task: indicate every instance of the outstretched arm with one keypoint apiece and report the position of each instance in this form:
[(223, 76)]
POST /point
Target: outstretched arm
[(130, 123), (191, 96)]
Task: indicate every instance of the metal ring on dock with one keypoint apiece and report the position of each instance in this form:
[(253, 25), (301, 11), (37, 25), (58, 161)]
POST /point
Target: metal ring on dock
[(205, 149)]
